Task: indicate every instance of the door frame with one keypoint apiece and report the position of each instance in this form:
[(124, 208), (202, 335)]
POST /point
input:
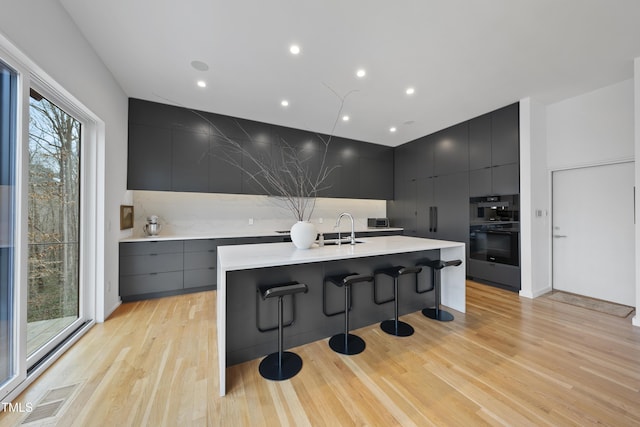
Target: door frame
[(93, 232)]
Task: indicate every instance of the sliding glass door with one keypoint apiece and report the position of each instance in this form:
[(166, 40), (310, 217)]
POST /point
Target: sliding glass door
[(53, 298), (8, 107)]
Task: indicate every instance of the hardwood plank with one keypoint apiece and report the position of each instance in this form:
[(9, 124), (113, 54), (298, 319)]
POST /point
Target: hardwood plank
[(507, 361)]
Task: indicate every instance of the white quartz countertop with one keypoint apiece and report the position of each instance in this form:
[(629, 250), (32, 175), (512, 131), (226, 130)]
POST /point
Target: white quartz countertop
[(237, 234), (243, 257)]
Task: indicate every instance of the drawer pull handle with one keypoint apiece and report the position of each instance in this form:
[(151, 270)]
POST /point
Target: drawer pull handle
[(153, 254), (153, 274)]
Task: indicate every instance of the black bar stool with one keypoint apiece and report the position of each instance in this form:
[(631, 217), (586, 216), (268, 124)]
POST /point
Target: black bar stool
[(394, 327), (436, 265), (283, 364), (345, 343)]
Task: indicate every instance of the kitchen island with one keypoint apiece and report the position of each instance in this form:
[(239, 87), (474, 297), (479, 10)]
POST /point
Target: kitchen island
[(242, 268)]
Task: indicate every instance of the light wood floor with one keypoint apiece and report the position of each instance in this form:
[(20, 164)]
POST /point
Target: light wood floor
[(507, 361)]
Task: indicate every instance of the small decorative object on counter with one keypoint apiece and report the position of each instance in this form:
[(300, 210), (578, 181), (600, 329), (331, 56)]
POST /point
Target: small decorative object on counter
[(152, 227), (303, 234), (321, 240)]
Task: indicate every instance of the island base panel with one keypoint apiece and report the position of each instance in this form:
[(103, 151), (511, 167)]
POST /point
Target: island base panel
[(244, 342)]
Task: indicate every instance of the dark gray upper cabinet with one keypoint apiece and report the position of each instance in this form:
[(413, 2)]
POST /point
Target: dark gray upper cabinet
[(190, 161), (480, 142), (506, 179), (224, 174), (179, 149), (494, 138), (349, 169), (376, 172), (255, 154), (402, 210), (451, 149), (414, 159), (149, 159), (505, 135)]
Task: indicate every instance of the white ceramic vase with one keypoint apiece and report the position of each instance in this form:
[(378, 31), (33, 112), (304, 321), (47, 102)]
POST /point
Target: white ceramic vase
[(303, 234)]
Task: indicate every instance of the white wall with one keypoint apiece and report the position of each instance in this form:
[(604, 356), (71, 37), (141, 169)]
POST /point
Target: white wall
[(598, 127), (44, 32), (594, 128), (534, 201)]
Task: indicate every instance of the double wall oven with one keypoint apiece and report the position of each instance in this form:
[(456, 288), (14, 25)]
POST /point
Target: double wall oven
[(495, 229)]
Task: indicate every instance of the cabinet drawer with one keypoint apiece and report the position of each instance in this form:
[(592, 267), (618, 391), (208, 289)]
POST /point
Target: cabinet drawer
[(154, 263), (195, 260), (150, 283), (155, 247), (200, 245), (200, 277), (498, 273)]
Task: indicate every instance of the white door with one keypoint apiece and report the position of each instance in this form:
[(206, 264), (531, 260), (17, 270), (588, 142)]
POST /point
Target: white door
[(593, 232)]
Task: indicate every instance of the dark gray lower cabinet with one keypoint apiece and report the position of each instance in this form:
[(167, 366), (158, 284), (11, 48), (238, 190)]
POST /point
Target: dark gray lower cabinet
[(151, 268), (501, 275), (170, 267)]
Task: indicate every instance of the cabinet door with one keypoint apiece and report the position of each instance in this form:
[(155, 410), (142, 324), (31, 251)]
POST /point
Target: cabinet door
[(506, 179), (451, 149), (452, 201), (480, 142), (505, 131), (349, 170), (149, 161), (330, 186), (256, 154), (414, 160), (225, 174), (376, 176), (425, 202), (190, 161), (402, 209), (480, 183)]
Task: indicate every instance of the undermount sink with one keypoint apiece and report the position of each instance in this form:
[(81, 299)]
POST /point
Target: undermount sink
[(335, 242)]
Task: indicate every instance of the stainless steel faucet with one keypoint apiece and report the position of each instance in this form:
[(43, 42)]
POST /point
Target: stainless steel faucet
[(353, 233)]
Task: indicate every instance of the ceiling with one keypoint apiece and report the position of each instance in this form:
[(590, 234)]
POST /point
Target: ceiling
[(462, 57)]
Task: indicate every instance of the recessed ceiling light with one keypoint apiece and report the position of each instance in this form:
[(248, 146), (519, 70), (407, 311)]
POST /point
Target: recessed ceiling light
[(284, 103), (392, 129), (410, 91), (361, 73), (345, 118), (202, 83), (294, 49)]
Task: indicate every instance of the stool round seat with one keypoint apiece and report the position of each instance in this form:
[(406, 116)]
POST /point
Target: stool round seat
[(436, 266), (281, 365), (394, 326), (346, 343)]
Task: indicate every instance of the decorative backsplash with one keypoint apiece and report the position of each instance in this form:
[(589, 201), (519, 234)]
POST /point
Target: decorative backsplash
[(196, 213)]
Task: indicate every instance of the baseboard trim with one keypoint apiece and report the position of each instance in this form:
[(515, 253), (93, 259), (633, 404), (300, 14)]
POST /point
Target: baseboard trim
[(536, 294)]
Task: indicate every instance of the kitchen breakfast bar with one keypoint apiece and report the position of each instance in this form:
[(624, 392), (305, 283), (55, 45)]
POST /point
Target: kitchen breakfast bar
[(242, 313)]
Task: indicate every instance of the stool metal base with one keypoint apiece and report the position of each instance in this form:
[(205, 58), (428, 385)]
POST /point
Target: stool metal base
[(291, 365), (403, 330), (354, 344), (441, 315)]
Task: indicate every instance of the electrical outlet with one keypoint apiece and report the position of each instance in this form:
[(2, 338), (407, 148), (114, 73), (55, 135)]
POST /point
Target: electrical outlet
[(250, 221), (320, 220)]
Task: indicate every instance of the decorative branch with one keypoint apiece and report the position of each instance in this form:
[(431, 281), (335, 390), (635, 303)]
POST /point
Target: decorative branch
[(285, 175)]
